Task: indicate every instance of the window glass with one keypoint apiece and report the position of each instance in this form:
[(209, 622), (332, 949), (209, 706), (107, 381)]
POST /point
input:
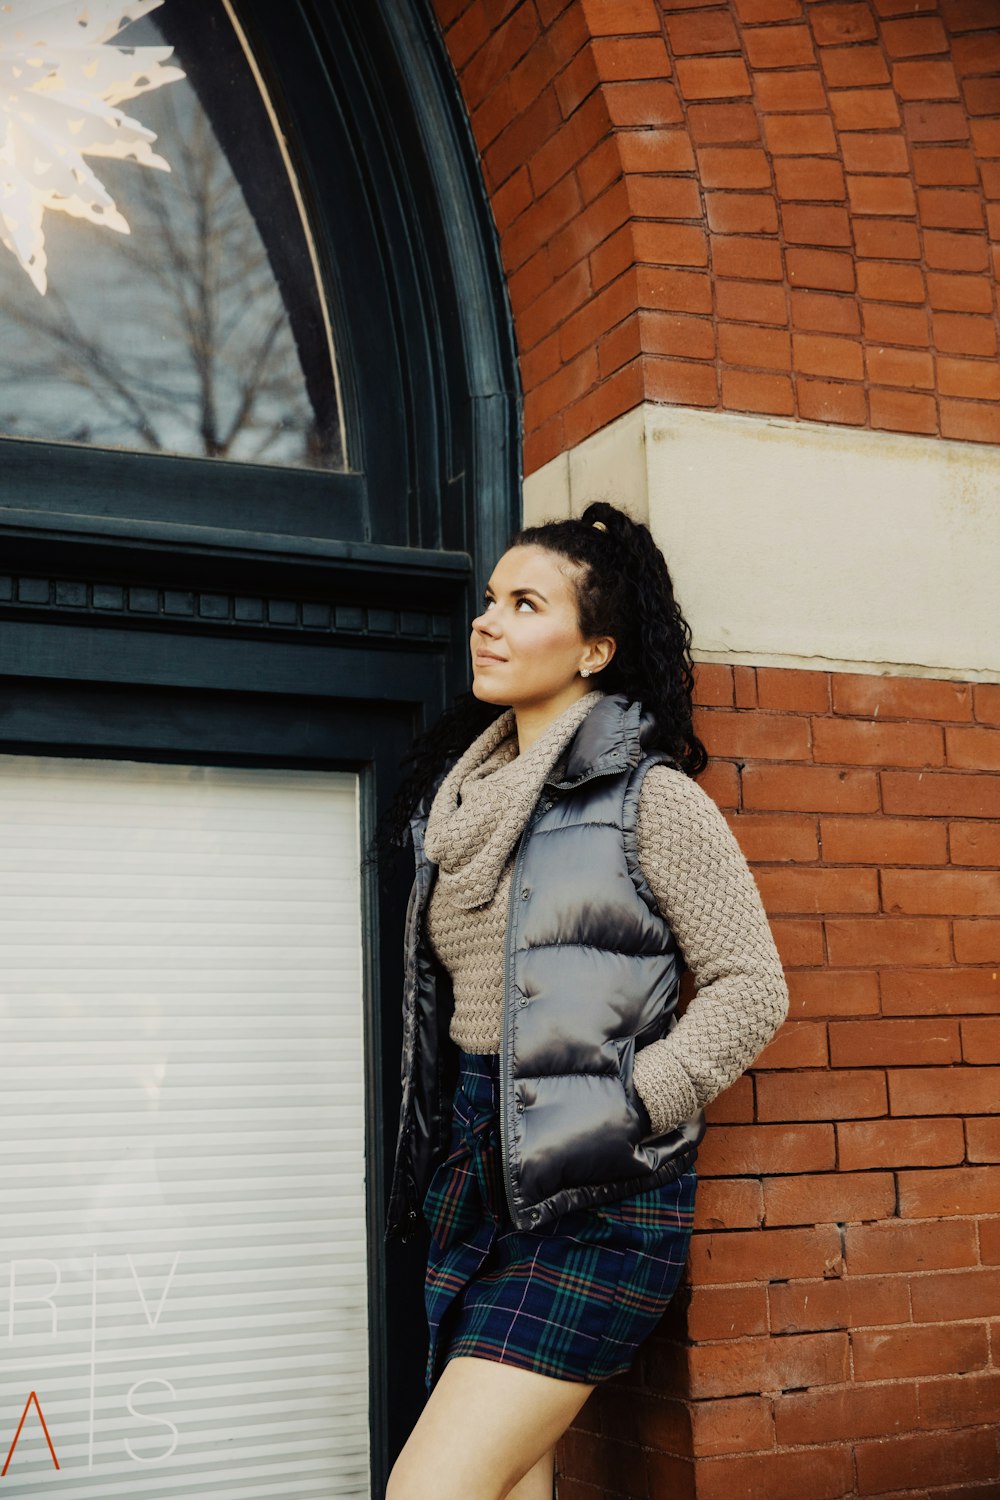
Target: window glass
[(158, 285)]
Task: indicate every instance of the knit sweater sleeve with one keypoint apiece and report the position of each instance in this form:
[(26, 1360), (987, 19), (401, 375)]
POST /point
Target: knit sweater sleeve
[(707, 893)]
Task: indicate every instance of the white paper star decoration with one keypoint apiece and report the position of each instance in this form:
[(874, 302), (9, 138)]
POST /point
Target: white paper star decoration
[(60, 83)]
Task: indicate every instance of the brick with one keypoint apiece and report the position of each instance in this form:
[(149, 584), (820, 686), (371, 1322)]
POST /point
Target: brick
[(864, 109), (818, 354), (829, 401), (729, 1150), (809, 788), (820, 270), (799, 1359), (975, 378), (983, 1140), (944, 166), (982, 95), (766, 1253), (804, 224), (858, 693), (619, 393), (826, 1414), (886, 239), (598, 169), (779, 47), (977, 54), (754, 347), (814, 1475), (958, 1401), (903, 411), (955, 1295), (833, 24), (865, 152), (798, 1044), (799, 135), (570, 144), (886, 1354), (881, 195), (875, 743), (669, 244), (829, 1198), (950, 208), (810, 178), (871, 1043), (940, 1091), (936, 122), (815, 1094), (568, 384), (663, 197), (956, 252), (741, 1424), (977, 942), (821, 891), (949, 1191), (880, 282), (756, 12), (986, 137), (974, 844), (901, 1247), (505, 47), (746, 391), (618, 17), (957, 893), (650, 103), (925, 1459), (600, 313), (745, 168), (804, 1306), (681, 382), (754, 257), (730, 1204), (697, 32), (715, 1311), (909, 368), (618, 347), (867, 941), (822, 312), (794, 91), (854, 67), (894, 324), (655, 151), (921, 37), (749, 302), (884, 841), (925, 80), (932, 1142), (722, 124), (675, 334), (970, 422), (940, 792), (947, 293), (553, 306), (713, 78), (548, 214), (741, 213), (952, 991), (630, 58), (969, 15), (674, 291)]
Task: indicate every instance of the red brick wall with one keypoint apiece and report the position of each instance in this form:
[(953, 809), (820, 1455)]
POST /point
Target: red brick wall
[(839, 1330), (789, 207)]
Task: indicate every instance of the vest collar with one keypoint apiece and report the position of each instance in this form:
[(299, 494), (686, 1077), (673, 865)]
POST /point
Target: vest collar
[(611, 738)]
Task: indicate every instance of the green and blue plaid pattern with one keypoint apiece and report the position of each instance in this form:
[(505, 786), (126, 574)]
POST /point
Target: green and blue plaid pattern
[(574, 1299)]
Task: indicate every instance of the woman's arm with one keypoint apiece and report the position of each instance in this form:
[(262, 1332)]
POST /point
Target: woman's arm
[(706, 891)]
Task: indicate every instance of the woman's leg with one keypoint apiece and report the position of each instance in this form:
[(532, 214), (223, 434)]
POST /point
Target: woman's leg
[(484, 1428), (539, 1482)]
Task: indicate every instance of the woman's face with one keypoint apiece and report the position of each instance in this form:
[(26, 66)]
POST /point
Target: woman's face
[(526, 645)]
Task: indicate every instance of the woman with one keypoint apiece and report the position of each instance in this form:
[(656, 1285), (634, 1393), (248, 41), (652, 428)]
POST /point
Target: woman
[(568, 868)]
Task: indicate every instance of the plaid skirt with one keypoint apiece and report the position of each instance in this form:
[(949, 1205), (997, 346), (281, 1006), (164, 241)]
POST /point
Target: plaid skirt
[(573, 1299)]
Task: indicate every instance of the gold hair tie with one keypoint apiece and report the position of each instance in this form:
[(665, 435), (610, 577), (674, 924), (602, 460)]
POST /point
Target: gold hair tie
[(600, 525)]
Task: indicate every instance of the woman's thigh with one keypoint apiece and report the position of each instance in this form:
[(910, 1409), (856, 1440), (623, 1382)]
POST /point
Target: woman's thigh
[(484, 1426)]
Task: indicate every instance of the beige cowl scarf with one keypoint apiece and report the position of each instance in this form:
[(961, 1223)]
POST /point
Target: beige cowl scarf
[(485, 800)]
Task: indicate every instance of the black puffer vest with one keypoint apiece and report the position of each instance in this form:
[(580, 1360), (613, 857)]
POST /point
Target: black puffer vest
[(591, 975)]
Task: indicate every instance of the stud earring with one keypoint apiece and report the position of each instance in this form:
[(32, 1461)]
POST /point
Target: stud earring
[(584, 671)]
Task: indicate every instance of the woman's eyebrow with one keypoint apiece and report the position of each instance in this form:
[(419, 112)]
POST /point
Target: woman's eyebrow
[(491, 590)]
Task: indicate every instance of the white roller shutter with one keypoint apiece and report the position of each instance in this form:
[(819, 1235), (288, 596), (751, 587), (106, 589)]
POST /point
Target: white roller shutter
[(183, 1260)]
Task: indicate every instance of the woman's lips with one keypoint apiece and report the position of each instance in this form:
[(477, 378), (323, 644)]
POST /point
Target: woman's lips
[(486, 659)]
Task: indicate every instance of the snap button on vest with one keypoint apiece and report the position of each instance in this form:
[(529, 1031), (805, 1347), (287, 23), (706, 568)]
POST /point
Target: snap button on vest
[(525, 894)]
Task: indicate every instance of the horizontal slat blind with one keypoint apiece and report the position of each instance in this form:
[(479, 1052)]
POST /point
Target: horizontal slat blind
[(183, 1267)]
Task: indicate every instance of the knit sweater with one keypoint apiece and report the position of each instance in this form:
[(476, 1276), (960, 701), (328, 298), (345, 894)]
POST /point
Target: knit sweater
[(697, 872)]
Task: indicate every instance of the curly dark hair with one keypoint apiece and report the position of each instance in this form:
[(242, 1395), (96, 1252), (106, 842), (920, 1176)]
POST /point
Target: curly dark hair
[(624, 590)]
